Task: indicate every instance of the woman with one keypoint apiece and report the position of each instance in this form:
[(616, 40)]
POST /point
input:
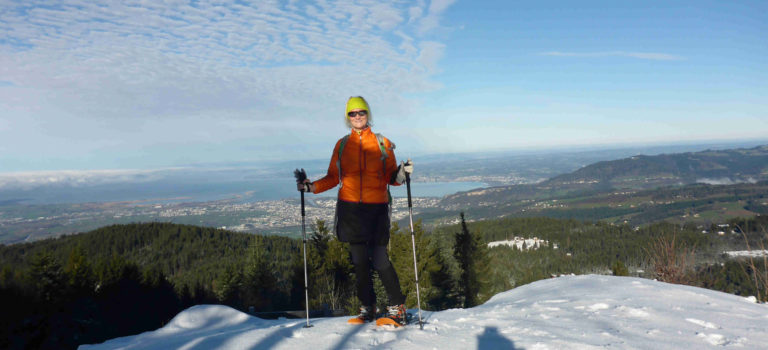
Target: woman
[(364, 163)]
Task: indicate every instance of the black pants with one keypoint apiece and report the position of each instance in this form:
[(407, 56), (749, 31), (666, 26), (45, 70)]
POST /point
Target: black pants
[(363, 256)]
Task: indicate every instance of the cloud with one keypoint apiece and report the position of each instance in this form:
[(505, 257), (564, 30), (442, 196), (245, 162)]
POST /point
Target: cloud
[(431, 52), (435, 11), (414, 13), (79, 178), (140, 59), (639, 55), (725, 181)]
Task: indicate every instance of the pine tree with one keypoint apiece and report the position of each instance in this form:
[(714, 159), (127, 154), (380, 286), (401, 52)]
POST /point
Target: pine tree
[(320, 236), (229, 286), (330, 270), (401, 255), (470, 254), (47, 277), (619, 269), (260, 285), (444, 287), (80, 275), (338, 267), (160, 302)]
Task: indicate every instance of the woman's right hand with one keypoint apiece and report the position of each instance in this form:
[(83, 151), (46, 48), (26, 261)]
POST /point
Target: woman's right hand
[(306, 186)]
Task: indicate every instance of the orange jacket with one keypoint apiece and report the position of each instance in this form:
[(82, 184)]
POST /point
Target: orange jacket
[(362, 180)]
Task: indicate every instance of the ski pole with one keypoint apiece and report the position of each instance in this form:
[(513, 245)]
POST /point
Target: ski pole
[(301, 175), (413, 244)]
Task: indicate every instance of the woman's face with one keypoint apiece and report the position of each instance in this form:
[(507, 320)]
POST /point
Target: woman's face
[(358, 120)]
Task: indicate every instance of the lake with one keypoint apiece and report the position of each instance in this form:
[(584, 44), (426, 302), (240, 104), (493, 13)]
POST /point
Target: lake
[(200, 187)]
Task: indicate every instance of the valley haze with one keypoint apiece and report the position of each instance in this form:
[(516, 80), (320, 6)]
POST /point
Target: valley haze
[(213, 181), (261, 198)]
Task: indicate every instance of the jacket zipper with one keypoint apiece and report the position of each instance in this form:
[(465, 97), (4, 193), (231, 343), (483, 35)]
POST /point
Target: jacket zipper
[(360, 161)]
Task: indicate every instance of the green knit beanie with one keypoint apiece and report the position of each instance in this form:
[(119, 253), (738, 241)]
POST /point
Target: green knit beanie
[(357, 102)]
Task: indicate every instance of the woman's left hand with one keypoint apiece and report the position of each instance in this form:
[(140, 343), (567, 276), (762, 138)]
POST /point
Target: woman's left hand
[(408, 167), (402, 169)]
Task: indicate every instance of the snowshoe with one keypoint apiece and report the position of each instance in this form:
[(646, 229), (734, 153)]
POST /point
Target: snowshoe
[(397, 316), (367, 314)]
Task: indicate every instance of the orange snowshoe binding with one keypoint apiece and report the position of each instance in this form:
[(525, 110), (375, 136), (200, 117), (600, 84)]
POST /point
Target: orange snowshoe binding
[(397, 316), (367, 314)]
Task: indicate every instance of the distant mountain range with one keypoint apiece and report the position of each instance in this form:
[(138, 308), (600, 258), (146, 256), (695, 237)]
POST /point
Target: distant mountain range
[(644, 172), (595, 187)]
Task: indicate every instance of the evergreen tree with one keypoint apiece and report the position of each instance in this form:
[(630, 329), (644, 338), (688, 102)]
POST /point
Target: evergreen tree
[(320, 236), (401, 256), (260, 285), (160, 302), (120, 297), (330, 271), (470, 254), (444, 287), (229, 285), (338, 267), (47, 277), (80, 276), (619, 269)]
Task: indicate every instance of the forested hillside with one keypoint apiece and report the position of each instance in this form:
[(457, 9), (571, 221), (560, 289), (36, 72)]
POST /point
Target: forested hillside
[(704, 187), (725, 167), (633, 173), (126, 279), (123, 279)]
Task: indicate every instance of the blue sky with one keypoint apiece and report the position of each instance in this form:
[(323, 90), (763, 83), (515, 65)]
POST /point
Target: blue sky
[(141, 85)]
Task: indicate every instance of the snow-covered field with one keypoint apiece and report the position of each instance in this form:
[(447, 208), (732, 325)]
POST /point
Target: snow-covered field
[(747, 253), (571, 312)]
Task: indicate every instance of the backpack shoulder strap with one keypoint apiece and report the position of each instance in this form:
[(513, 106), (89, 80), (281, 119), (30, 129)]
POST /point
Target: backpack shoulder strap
[(384, 156), (383, 147), (338, 159)]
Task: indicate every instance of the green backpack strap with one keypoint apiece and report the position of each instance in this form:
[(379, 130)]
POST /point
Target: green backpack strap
[(342, 143), (383, 148), (384, 157), (338, 159)]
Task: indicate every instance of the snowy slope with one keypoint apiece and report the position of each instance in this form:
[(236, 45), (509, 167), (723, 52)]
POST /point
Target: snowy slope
[(572, 312)]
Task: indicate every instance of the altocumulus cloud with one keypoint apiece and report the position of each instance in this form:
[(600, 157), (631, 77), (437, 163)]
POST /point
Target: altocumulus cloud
[(144, 59)]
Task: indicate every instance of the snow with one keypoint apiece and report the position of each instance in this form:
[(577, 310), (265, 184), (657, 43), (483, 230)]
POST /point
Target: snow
[(747, 253), (518, 242), (570, 312)]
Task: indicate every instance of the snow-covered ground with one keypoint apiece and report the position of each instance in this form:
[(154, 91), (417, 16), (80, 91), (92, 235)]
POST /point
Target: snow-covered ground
[(747, 253), (520, 242), (571, 312)]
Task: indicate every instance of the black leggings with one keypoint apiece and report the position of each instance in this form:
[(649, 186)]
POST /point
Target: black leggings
[(363, 255)]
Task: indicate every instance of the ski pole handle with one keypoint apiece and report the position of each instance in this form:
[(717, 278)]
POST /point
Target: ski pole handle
[(302, 204), (301, 177), (408, 187)]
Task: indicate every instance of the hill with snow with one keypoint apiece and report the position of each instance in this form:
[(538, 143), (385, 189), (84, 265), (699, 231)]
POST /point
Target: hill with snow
[(572, 312)]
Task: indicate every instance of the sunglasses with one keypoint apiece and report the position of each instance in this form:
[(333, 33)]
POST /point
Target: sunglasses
[(357, 113)]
